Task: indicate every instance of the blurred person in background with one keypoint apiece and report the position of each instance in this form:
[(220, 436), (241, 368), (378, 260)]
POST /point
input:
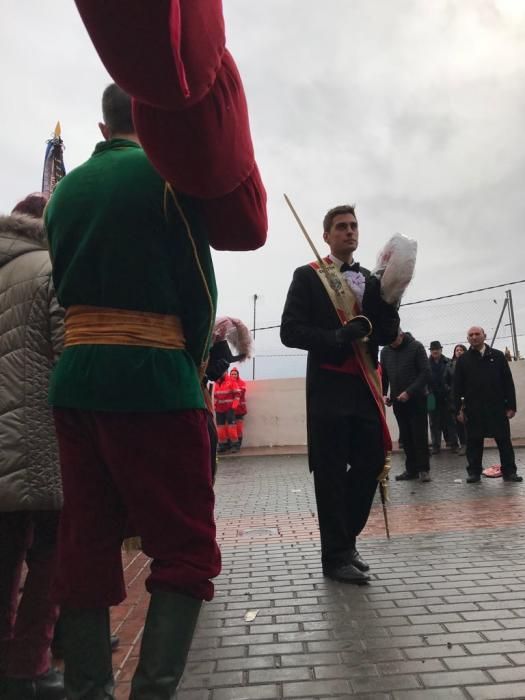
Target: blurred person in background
[(485, 399), (31, 337), (441, 419), (459, 349), (239, 407), (226, 398), (405, 372)]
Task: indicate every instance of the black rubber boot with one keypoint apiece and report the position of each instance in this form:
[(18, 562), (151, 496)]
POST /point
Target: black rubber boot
[(49, 686), (166, 640), (88, 674)]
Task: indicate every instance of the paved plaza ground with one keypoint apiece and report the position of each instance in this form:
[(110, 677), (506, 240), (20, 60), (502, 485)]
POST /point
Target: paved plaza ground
[(442, 618)]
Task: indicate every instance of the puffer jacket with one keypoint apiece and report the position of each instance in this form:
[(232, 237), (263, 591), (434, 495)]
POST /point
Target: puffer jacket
[(31, 332)]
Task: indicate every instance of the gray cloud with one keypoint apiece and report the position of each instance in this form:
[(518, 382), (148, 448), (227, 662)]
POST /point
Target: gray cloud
[(412, 109)]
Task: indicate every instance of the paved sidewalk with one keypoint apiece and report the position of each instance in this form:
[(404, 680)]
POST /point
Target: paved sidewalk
[(443, 617)]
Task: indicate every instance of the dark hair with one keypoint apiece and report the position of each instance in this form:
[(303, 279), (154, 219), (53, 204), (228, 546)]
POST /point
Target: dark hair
[(33, 205), (459, 345), (332, 213), (116, 110)]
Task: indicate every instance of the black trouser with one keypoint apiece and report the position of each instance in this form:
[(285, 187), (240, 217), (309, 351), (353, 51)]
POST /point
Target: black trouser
[(462, 433), (413, 432), (443, 421), (506, 454), (344, 495)]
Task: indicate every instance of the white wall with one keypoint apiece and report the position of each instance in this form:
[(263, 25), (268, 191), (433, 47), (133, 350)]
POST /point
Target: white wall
[(276, 411)]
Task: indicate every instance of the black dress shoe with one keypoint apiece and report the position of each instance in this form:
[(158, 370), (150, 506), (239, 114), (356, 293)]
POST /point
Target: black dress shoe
[(358, 562), (473, 479), (512, 477), (49, 686), (406, 476), (346, 574)]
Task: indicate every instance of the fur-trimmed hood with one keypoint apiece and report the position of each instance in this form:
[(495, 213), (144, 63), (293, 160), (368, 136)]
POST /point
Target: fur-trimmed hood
[(20, 234)]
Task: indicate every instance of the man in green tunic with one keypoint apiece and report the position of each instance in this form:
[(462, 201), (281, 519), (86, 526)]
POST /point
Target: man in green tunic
[(133, 269)]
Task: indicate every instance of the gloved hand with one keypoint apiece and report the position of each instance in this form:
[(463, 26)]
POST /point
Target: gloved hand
[(358, 327), (216, 368)]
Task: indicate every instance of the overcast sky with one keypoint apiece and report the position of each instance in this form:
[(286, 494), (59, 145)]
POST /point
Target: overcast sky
[(412, 109)]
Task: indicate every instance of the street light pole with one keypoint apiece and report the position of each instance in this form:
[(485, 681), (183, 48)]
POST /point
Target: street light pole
[(255, 297)]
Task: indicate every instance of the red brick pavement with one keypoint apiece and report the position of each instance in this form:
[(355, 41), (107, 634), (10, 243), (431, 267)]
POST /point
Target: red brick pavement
[(440, 516), (406, 519)]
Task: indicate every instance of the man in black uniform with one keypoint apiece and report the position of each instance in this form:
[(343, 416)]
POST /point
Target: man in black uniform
[(405, 371), (485, 399), (347, 434)]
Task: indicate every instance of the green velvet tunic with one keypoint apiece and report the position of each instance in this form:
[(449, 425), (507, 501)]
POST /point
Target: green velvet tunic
[(120, 239)]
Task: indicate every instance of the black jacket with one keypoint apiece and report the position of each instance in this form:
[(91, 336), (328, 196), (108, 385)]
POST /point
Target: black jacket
[(439, 377), (405, 368), (484, 385), (309, 322)]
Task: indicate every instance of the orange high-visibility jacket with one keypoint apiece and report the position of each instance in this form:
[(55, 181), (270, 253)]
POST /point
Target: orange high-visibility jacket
[(226, 395), (241, 410)]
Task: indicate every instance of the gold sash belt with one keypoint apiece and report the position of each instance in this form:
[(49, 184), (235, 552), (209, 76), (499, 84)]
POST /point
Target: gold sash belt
[(95, 325)]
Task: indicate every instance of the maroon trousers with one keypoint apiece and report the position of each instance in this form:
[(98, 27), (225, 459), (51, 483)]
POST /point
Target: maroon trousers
[(26, 625), (150, 470)]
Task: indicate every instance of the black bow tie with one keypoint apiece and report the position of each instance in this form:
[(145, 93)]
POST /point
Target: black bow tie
[(345, 267)]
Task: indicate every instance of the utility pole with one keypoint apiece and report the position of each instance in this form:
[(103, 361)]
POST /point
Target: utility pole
[(515, 349), (505, 303), (255, 297)]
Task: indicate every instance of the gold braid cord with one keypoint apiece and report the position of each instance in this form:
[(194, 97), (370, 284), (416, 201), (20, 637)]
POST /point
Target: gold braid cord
[(383, 477)]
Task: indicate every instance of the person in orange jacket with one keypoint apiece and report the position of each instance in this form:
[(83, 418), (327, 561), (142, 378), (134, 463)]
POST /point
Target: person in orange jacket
[(226, 396), (240, 406)]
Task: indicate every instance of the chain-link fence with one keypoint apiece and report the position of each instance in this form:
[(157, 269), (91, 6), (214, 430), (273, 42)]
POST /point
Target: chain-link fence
[(445, 318)]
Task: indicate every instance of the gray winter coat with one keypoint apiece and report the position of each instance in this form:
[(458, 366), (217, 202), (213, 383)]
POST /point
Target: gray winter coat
[(31, 328)]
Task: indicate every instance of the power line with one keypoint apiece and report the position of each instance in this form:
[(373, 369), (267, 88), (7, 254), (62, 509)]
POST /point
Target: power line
[(424, 301), (459, 294), (285, 354)]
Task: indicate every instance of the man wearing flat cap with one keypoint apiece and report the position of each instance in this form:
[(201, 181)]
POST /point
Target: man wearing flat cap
[(441, 418)]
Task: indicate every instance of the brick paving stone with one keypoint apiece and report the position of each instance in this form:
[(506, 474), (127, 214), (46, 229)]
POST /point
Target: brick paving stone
[(189, 695), (415, 666), (254, 692), (518, 658), (502, 691), (241, 663), (502, 675), (397, 682), (488, 661), (455, 638), (212, 680), (280, 675), (368, 696), (512, 623), (434, 694), (496, 647), (315, 688), (453, 678), (435, 652), (479, 626), (423, 630), (404, 642), (350, 671), (500, 635)]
